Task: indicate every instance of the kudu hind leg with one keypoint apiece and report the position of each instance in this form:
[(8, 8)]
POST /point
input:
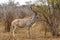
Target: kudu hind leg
[(12, 29)]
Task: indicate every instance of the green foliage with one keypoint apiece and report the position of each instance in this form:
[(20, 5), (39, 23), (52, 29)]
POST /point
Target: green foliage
[(50, 14), (42, 11)]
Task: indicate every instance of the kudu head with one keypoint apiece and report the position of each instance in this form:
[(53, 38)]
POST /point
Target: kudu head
[(36, 16)]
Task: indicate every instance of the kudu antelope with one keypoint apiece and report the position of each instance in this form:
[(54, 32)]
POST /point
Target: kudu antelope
[(25, 22)]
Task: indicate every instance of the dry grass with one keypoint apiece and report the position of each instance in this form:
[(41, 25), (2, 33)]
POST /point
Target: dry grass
[(37, 33)]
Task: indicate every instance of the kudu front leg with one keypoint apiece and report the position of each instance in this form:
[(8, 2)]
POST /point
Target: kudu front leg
[(28, 35)]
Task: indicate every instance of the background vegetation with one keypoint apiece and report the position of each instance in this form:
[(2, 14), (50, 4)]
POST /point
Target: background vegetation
[(47, 26)]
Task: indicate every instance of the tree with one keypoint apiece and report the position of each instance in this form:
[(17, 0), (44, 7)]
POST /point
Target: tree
[(8, 14), (49, 14)]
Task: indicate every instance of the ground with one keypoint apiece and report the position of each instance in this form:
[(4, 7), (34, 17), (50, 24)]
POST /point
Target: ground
[(36, 31)]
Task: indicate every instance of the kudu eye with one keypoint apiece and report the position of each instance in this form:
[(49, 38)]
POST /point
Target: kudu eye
[(37, 16)]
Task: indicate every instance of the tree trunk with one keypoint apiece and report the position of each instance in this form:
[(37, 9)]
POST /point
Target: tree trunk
[(7, 27), (54, 30)]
